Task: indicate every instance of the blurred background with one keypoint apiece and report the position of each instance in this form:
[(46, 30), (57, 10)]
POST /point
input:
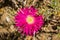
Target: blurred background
[(49, 8)]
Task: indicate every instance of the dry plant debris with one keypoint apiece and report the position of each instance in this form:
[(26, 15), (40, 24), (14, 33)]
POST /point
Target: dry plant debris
[(49, 8)]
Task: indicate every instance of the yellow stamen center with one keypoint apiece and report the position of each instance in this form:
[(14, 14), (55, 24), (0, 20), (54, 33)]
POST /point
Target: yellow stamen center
[(30, 19)]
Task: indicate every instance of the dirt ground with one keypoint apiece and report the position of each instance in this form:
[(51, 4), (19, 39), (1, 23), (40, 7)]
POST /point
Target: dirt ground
[(49, 8)]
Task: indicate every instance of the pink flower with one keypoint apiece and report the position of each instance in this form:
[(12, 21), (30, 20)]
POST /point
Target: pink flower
[(27, 21)]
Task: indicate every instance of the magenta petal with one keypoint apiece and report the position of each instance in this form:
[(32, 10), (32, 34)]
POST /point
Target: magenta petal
[(20, 20)]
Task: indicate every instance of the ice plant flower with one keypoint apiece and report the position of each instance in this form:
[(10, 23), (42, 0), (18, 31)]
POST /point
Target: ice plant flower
[(27, 21)]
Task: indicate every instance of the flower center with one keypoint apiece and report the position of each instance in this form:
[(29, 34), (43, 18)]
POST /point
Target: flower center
[(30, 19)]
